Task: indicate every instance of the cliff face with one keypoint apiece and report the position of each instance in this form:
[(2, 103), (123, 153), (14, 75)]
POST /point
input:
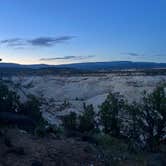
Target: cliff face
[(60, 95)]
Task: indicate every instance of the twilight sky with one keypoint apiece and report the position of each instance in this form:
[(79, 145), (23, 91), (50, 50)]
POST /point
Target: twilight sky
[(69, 31)]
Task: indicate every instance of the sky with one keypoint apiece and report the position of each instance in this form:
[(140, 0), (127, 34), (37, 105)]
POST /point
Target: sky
[(73, 31)]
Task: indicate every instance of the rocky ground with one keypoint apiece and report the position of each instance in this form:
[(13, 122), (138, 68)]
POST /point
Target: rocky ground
[(23, 149), (28, 150)]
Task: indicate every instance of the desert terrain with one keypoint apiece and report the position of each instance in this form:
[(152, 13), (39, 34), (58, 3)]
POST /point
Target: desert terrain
[(63, 94)]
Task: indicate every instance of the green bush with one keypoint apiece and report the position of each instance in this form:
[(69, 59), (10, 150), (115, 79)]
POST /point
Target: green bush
[(24, 115), (87, 119), (40, 131), (57, 130), (83, 123), (149, 120), (9, 100), (31, 108), (70, 121), (134, 127), (110, 143), (153, 115), (109, 114)]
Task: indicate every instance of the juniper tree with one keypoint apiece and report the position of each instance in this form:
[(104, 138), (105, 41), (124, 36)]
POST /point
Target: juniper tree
[(9, 100), (134, 126), (87, 119), (109, 114), (153, 116), (70, 121)]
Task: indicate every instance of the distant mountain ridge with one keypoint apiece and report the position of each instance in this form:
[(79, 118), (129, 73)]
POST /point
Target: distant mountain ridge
[(15, 65), (91, 66), (116, 65)]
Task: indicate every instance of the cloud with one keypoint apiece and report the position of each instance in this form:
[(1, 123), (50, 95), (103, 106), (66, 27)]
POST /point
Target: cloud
[(161, 55), (58, 58), (10, 40), (132, 54), (40, 41), (67, 58), (49, 41), (137, 55), (13, 42)]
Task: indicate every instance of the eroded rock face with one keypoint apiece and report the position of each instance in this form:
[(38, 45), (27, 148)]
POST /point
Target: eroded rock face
[(75, 90)]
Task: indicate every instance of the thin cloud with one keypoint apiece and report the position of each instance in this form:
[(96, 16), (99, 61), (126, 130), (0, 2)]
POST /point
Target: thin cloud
[(132, 54), (67, 58), (137, 55), (49, 41), (58, 58), (40, 41), (160, 55), (13, 42), (10, 40)]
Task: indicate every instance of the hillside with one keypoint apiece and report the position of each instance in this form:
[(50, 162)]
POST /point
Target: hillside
[(91, 89)]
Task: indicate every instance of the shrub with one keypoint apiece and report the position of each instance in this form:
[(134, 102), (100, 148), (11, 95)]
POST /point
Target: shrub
[(109, 114), (14, 113), (70, 121), (153, 117), (110, 143), (134, 129), (56, 130), (24, 115), (31, 109), (87, 119), (41, 130), (9, 100)]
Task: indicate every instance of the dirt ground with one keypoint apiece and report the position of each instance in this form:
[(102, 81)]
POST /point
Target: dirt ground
[(28, 150), (19, 148)]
